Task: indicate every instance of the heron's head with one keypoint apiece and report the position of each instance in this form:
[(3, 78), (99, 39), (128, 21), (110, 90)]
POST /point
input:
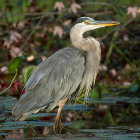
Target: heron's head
[(84, 24)]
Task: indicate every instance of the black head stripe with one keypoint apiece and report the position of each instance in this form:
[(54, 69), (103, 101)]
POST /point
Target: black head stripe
[(82, 19)]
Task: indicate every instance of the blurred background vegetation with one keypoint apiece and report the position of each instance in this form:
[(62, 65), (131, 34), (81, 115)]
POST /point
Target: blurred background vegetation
[(32, 30)]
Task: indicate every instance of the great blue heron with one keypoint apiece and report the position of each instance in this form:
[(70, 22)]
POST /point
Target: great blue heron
[(70, 69)]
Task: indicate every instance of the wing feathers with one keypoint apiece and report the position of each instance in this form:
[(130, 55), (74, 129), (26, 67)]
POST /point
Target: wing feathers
[(52, 81)]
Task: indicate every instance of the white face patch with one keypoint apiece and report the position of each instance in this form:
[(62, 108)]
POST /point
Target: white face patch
[(82, 27)]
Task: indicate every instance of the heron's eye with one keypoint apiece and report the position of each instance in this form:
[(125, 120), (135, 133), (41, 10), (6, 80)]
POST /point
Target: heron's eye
[(86, 22)]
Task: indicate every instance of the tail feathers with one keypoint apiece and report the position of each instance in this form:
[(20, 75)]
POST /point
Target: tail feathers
[(16, 112), (22, 111), (20, 114), (29, 104), (23, 117)]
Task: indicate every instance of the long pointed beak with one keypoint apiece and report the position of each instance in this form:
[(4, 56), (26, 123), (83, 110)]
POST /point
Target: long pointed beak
[(104, 23)]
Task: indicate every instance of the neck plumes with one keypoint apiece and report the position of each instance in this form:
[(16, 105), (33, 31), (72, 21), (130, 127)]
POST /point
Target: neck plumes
[(92, 47)]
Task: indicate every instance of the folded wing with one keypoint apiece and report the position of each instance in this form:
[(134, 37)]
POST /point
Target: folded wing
[(52, 80)]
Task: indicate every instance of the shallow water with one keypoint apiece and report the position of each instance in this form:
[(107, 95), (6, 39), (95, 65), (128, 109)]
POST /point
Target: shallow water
[(110, 133), (37, 128)]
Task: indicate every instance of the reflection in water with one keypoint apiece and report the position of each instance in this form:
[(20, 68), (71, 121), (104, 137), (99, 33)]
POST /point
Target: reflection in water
[(77, 126), (121, 133), (15, 134)]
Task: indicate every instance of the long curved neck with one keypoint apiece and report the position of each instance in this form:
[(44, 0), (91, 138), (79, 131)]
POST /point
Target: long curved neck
[(89, 44), (78, 41), (92, 47)]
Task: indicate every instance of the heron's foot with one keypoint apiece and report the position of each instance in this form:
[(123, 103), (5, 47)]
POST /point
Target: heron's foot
[(55, 127), (60, 126)]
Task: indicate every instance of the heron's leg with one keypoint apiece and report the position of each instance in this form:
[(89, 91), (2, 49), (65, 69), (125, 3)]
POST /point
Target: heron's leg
[(58, 116), (60, 125)]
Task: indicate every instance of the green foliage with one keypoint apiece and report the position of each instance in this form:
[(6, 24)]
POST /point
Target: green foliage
[(98, 90), (120, 13), (44, 4), (48, 44), (26, 72), (94, 93), (104, 90), (18, 7), (11, 82), (111, 47), (134, 87), (13, 66), (108, 117), (78, 124)]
